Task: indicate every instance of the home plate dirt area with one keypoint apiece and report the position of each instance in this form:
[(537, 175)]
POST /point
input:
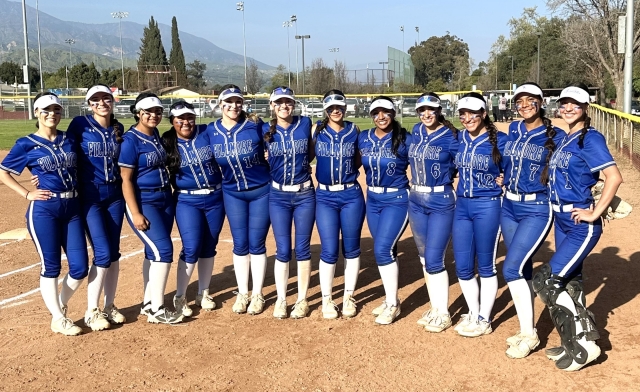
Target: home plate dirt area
[(223, 351)]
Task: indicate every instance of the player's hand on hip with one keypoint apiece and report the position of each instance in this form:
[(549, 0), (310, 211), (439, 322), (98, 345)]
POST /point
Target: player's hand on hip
[(34, 181), (140, 222), (39, 194), (584, 215), (500, 180)]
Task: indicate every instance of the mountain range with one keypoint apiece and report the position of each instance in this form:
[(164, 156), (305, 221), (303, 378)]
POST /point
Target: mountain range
[(99, 43)]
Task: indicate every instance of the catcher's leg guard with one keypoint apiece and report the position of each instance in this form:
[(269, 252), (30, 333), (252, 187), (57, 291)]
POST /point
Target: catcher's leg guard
[(578, 350)]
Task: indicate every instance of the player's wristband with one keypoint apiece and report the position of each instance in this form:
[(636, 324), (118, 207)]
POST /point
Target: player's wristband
[(27, 195)]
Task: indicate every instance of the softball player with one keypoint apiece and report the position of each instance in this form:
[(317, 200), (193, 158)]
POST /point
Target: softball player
[(53, 217), (339, 201), (433, 145), (199, 207), (526, 212), (99, 184), (292, 198), (476, 221), (149, 205), (238, 148), (384, 153), (574, 168)]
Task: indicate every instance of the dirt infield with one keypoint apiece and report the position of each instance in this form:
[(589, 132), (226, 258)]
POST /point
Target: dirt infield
[(222, 351)]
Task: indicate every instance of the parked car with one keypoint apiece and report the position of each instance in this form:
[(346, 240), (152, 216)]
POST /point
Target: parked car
[(259, 106), (408, 107), (122, 109), (313, 108), (635, 107), (447, 108), (552, 108), (353, 108)]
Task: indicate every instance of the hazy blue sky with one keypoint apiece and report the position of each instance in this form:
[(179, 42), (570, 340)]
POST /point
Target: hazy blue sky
[(361, 30)]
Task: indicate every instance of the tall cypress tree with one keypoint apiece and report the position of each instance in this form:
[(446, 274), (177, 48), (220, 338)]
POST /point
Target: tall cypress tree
[(176, 57), (151, 50)]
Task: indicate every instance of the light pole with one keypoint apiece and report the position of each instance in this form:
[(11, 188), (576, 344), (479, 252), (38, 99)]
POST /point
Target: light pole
[(303, 37), (538, 74), (402, 29), (511, 86), (288, 24), (39, 48), (26, 59), (240, 7), (70, 41), (294, 19), (418, 31), (383, 63), (120, 15)]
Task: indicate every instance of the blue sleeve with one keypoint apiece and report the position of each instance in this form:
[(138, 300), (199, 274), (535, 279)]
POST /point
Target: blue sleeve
[(16, 160), (502, 143), (560, 134), (74, 131), (454, 145), (128, 153), (265, 128), (595, 151)]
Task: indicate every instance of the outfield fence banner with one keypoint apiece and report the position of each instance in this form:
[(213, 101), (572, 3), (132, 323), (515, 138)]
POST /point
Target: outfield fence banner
[(621, 130)]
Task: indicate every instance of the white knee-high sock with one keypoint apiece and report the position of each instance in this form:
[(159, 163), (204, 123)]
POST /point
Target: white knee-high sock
[(258, 269), (158, 276), (205, 269), (389, 275), (471, 293), (241, 267), (281, 275), (146, 265), (94, 286), (439, 291), (327, 272), (304, 276), (111, 283), (351, 271), (488, 292), (69, 286), (49, 291), (522, 300), (185, 270)]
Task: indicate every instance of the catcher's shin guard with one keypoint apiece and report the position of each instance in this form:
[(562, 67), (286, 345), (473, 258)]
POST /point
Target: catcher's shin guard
[(575, 327)]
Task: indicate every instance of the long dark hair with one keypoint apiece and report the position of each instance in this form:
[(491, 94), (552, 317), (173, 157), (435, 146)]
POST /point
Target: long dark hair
[(140, 97), (491, 130), (441, 119), (170, 140), (118, 128), (36, 98), (274, 121), (398, 133), (325, 120)]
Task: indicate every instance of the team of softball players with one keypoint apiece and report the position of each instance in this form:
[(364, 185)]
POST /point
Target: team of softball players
[(259, 175)]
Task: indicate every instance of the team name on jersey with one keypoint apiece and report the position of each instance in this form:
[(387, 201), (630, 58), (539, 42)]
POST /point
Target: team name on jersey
[(560, 159), (242, 147), (101, 150), (155, 159), (472, 161), (384, 152), (324, 149), (281, 148), (420, 153), (531, 151), (203, 154), (61, 160)]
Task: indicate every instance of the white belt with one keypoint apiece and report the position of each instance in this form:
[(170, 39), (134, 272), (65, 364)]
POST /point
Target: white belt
[(428, 189), (562, 208), (336, 187), (201, 191), (292, 188), (64, 195), (381, 189), (521, 197)]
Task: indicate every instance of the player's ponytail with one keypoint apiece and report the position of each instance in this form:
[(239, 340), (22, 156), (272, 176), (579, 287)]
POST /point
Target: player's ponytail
[(550, 145), (587, 125), (272, 130), (170, 141), (320, 126), (493, 139), (398, 136), (442, 120)]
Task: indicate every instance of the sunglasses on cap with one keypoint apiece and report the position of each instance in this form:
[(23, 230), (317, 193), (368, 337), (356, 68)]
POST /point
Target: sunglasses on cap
[(428, 98), (282, 91), (181, 105), (231, 90), (334, 97)]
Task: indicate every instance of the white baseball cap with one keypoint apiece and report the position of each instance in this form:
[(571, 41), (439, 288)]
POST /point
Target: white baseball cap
[(381, 104), (282, 92), (575, 93), (148, 103), (45, 101), (472, 103), (97, 89), (529, 89), (428, 100), (229, 93), (333, 99)]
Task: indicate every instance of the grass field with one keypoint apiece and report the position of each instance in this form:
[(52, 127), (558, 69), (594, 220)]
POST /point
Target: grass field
[(11, 130)]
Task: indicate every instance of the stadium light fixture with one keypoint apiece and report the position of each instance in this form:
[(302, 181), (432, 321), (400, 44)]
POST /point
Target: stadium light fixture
[(302, 38), (288, 24), (119, 15), (240, 7)]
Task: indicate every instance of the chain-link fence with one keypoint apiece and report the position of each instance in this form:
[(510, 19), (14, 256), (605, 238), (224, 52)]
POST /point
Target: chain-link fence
[(621, 130)]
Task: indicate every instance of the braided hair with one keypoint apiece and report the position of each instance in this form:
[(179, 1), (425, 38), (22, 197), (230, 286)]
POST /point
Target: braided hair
[(491, 130), (441, 118), (325, 120), (549, 144), (587, 119), (398, 133)]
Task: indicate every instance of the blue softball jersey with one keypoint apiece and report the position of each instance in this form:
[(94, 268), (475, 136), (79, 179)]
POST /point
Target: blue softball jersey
[(145, 154), (239, 152), (289, 152), (383, 168), (54, 162), (336, 155), (477, 170), (198, 168), (525, 157), (432, 156), (99, 162), (574, 169)]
